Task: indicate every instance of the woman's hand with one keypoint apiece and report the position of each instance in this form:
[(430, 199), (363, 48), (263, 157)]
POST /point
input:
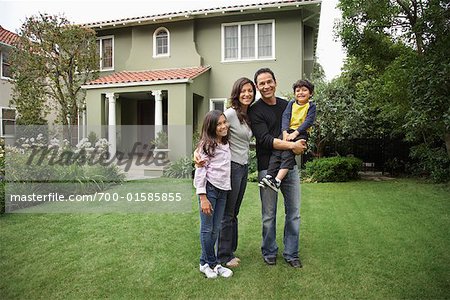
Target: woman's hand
[(198, 160), (205, 205)]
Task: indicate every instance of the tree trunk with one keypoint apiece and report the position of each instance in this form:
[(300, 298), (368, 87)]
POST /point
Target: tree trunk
[(447, 142)]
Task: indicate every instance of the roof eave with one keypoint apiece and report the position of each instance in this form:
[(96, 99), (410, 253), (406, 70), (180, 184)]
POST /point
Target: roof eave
[(133, 84), (204, 13)]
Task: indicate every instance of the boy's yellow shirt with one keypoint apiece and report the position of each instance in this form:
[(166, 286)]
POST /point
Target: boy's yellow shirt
[(298, 115)]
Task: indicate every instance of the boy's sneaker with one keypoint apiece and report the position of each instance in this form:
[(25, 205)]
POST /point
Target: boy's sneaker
[(261, 184), (271, 182), (209, 273), (222, 271)]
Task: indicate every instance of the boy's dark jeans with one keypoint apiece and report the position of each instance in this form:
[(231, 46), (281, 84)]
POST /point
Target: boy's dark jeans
[(283, 159)]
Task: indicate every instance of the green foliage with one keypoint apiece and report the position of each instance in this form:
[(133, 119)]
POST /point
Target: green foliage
[(92, 138), (181, 168), (50, 62), (252, 161), (398, 67), (432, 162), (253, 176), (333, 169), (161, 141)]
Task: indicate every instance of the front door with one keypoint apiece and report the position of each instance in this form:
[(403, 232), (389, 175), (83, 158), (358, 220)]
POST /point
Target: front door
[(146, 121)]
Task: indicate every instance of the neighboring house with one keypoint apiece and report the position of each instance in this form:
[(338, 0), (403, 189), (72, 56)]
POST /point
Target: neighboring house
[(170, 69), (7, 113)]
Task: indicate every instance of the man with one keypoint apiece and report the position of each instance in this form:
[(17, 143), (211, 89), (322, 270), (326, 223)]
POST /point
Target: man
[(265, 116)]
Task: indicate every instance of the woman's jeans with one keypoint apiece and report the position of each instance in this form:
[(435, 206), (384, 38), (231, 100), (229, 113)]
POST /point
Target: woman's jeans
[(210, 225), (290, 188), (228, 238)]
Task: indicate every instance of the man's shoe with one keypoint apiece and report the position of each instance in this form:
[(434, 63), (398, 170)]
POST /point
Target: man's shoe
[(222, 271), (270, 260), (271, 182), (209, 273), (295, 263)]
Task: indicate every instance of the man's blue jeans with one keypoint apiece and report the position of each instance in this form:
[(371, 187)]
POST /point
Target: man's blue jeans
[(210, 225), (290, 188)]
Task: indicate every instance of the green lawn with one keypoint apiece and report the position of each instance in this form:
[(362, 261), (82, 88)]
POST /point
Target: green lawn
[(362, 239)]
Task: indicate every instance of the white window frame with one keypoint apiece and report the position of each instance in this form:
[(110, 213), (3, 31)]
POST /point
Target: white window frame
[(212, 101), (1, 66), (239, 24), (2, 119), (101, 38), (155, 55)]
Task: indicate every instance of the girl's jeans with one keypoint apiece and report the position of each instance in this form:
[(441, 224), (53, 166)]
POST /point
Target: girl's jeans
[(210, 225)]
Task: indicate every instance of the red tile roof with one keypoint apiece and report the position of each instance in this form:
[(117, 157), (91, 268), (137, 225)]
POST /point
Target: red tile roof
[(150, 76), (7, 37), (202, 12)]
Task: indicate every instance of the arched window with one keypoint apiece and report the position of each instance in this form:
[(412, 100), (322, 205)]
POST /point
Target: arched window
[(161, 42)]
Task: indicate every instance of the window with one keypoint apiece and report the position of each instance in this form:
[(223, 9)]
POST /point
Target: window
[(217, 104), (248, 41), (105, 48), (8, 120), (5, 68), (161, 42)]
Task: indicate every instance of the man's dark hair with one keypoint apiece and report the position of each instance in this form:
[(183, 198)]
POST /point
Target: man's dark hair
[(305, 83), (264, 70)]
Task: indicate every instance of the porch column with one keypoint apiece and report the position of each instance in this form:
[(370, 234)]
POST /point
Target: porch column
[(158, 111), (112, 123)]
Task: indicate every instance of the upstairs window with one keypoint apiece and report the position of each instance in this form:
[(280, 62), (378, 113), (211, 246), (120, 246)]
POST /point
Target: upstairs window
[(6, 66), (248, 41), (105, 48), (161, 42), (8, 121)]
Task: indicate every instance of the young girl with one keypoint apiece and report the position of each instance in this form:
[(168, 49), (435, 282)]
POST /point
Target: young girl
[(212, 183)]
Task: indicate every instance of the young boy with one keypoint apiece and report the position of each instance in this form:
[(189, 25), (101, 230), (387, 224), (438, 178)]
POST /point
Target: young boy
[(297, 120)]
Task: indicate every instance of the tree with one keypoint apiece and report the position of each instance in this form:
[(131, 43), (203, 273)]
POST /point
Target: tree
[(343, 109), (406, 42), (50, 62)]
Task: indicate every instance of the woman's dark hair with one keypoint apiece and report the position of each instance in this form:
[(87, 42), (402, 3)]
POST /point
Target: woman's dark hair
[(305, 83), (208, 139), (234, 98), (264, 70)]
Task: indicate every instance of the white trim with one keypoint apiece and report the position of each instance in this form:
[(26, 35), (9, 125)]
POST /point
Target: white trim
[(155, 55), (130, 84), (214, 100), (1, 120), (101, 38), (239, 24)]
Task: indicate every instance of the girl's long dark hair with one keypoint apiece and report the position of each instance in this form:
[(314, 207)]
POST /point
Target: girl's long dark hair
[(234, 98), (208, 139)]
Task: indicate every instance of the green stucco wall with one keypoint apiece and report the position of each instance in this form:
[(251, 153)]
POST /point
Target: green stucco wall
[(288, 65)]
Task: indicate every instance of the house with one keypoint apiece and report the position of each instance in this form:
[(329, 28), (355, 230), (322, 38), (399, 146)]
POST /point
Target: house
[(7, 113), (168, 70)]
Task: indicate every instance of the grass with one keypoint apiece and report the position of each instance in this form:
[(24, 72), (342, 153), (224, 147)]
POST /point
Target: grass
[(362, 239)]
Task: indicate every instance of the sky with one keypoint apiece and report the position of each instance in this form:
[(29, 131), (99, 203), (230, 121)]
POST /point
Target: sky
[(13, 13)]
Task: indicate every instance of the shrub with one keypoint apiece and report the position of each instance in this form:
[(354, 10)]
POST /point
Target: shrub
[(333, 169), (253, 176), (252, 161), (181, 168), (433, 163)]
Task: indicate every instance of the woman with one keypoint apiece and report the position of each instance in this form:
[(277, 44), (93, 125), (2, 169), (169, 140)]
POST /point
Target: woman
[(242, 96)]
